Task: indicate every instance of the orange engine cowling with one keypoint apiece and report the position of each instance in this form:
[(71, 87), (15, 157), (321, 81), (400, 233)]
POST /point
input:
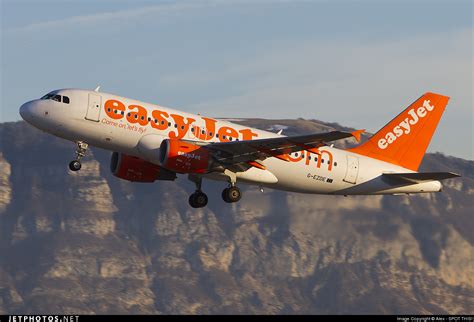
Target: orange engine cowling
[(184, 157), (131, 168)]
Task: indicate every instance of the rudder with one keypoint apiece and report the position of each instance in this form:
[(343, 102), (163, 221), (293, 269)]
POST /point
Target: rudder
[(404, 140)]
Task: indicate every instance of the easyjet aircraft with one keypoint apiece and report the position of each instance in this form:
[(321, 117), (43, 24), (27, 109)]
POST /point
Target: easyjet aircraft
[(152, 142)]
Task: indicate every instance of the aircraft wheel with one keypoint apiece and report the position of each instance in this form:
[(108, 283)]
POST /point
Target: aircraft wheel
[(224, 195), (231, 194), (198, 200), (75, 165)]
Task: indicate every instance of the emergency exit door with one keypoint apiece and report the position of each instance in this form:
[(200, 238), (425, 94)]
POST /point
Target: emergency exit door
[(93, 108), (352, 169)]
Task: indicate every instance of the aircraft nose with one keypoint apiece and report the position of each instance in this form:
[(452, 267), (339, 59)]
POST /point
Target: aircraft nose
[(25, 111)]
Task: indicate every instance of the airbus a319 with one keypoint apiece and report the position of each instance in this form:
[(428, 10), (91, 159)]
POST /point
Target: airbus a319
[(152, 142)]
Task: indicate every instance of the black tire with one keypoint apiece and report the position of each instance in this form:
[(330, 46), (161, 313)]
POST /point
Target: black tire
[(224, 195), (198, 200), (232, 194), (75, 165), (192, 202)]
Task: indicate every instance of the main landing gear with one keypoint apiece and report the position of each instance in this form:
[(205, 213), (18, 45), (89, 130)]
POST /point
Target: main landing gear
[(81, 150), (232, 193), (198, 199)]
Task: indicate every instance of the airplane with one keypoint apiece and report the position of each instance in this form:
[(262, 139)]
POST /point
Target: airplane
[(151, 142)]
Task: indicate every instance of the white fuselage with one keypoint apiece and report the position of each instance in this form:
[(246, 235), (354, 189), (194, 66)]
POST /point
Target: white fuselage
[(103, 120)]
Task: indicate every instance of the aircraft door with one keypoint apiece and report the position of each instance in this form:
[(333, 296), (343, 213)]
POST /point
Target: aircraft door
[(93, 108), (352, 169)]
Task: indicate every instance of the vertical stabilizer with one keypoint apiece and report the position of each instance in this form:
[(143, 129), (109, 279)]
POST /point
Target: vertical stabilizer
[(404, 140)]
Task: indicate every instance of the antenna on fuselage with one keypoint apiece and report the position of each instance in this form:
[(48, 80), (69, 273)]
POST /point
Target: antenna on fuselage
[(97, 88)]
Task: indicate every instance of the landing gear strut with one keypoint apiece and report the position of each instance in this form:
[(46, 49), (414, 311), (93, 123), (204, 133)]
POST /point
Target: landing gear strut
[(81, 150), (198, 199), (232, 193)]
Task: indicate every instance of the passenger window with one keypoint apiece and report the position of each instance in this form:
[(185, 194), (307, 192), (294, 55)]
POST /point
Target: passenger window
[(66, 99)]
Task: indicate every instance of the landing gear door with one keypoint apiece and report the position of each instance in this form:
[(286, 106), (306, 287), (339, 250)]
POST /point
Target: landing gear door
[(352, 169), (93, 108)]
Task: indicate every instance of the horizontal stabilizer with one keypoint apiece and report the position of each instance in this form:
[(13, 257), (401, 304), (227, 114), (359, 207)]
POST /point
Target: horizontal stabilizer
[(417, 177)]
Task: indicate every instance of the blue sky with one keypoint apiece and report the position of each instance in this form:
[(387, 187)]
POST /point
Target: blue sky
[(358, 63)]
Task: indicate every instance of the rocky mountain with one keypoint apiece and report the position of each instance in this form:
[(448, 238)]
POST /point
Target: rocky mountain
[(88, 242)]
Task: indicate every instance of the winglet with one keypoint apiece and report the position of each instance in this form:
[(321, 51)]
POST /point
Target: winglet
[(97, 88), (356, 134)]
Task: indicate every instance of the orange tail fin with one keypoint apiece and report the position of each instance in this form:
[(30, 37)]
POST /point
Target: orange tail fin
[(404, 140)]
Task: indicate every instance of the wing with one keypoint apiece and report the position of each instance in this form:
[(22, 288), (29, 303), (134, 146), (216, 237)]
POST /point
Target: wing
[(417, 177), (241, 155)]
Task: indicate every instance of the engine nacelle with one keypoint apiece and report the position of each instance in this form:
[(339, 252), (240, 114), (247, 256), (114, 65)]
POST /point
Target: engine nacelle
[(184, 157), (131, 168)]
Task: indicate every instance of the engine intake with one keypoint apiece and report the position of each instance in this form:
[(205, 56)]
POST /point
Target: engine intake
[(131, 168), (184, 157)]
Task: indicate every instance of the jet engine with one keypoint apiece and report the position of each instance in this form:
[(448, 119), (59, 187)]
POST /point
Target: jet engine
[(131, 168), (184, 157)]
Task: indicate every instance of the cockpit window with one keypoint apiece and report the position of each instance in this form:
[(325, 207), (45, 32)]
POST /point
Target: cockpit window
[(56, 97), (47, 96)]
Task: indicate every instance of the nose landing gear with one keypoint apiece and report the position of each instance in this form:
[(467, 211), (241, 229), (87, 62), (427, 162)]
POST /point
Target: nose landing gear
[(81, 150)]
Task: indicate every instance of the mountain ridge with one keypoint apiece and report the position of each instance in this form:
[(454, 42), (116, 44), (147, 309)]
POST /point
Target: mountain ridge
[(88, 242)]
